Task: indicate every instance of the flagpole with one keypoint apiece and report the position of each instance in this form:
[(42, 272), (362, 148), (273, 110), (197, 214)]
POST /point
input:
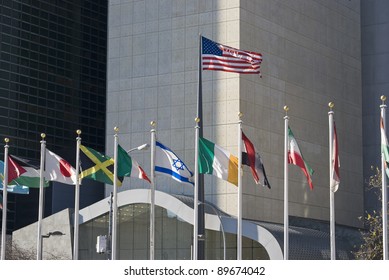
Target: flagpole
[(115, 197), (200, 185), (286, 186), (41, 197), (152, 192), (5, 199), (240, 191), (332, 193), (384, 189), (195, 193), (77, 197)]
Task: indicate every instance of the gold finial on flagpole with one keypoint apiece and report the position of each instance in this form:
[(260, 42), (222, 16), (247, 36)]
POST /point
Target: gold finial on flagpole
[(383, 99), (78, 131), (153, 123), (116, 129), (6, 140), (331, 105), (197, 119), (286, 109), (43, 135), (240, 115)]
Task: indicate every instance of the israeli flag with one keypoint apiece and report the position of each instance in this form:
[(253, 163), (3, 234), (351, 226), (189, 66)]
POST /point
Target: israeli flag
[(168, 163)]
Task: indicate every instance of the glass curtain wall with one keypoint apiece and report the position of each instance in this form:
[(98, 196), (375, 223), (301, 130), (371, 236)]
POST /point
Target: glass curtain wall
[(173, 237)]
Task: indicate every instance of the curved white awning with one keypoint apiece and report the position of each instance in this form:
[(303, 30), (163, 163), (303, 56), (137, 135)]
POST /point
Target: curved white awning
[(185, 213)]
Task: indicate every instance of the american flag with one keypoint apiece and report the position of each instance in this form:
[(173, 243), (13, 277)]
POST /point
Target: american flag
[(219, 57)]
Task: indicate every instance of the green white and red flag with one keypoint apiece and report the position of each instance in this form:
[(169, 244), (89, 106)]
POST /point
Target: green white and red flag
[(295, 157)]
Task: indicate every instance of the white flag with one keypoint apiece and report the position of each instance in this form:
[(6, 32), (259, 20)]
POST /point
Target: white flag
[(59, 170), (168, 163)]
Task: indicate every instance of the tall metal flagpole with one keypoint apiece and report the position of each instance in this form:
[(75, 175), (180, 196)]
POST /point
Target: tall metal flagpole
[(196, 193), (77, 197), (240, 191), (5, 199), (332, 193), (384, 190), (41, 197), (115, 197), (286, 186), (109, 239), (200, 189), (152, 192)]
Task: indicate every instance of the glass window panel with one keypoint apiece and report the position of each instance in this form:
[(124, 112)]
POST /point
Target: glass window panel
[(34, 55), (4, 84), (24, 73), (34, 29), (34, 20)]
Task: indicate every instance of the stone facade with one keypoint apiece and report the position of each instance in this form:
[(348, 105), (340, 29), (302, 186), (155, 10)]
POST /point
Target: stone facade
[(57, 237), (311, 56)]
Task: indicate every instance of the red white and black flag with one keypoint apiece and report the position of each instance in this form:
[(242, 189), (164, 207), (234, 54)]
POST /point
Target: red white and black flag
[(251, 158)]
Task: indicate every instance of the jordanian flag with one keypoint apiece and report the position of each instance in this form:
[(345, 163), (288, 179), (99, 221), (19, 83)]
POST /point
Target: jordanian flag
[(212, 159), (14, 188), (384, 147), (30, 177), (295, 157), (127, 167), (14, 169)]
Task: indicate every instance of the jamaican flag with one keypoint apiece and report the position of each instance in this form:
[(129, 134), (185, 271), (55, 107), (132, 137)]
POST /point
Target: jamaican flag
[(99, 167)]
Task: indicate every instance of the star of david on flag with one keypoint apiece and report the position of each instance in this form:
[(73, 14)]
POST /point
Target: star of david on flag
[(169, 164)]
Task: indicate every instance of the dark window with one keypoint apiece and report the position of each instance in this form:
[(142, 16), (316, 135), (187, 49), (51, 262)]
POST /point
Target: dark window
[(52, 78)]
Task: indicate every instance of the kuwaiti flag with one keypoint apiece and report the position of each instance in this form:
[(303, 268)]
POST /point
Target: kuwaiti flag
[(384, 146), (128, 167), (335, 180), (213, 159), (59, 170), (251, 157), (169, 164), (295, 157)]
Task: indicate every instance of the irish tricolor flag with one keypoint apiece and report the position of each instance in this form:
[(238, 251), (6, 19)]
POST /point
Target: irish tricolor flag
[(213, 159), (384, 146), (295, 157)]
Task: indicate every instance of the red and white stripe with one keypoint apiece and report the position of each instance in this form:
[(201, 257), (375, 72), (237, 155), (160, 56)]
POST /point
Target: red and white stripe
[(233, 60)]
